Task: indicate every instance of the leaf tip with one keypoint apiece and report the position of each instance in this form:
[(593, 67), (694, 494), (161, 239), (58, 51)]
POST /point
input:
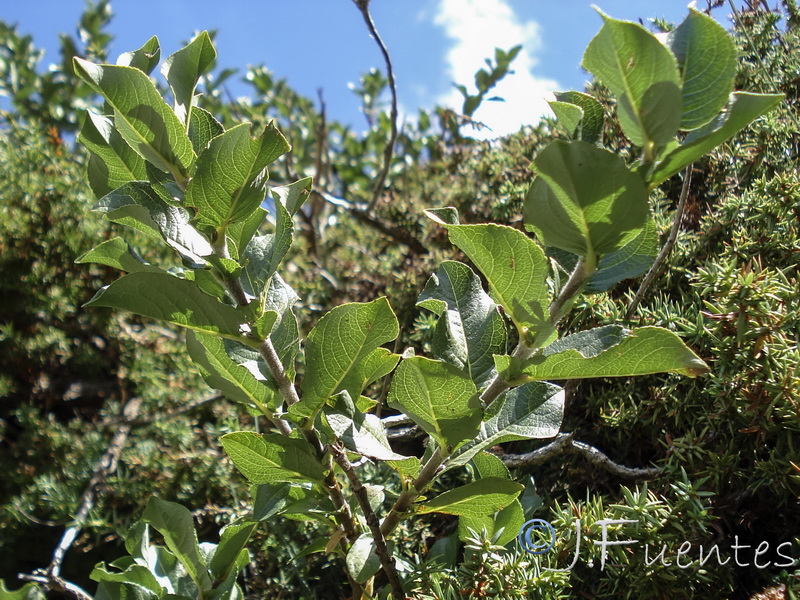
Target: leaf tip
[(444, 216)]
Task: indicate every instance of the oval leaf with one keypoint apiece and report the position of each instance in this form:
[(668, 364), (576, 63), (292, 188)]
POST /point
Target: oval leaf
[(610, 351), (438, 397), (335, 348), (707, 61), (272, 458), (141, 116), (482, 497), (585, 200), (643, 74), (167, 298)]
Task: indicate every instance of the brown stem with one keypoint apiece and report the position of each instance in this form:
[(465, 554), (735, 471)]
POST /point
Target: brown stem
[(360, 492), (667, 248), (388, 151), (285, 386), (407, 497)]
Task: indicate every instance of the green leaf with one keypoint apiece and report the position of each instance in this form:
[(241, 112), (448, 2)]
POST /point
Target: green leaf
[(585, 200), (642, 73), (531, 411), (137, 205), (360, 433), (408, 468), (112, 161), (145, 58), (609, 351), (141, 116), (438, 397), (118, 254), (510, 520), (203, 128), (233, 540), (135, 575), (444, 216), (481, 497), (293, 195), (29, 591), (707, 61), (470, 330), (264, 254), (182, 70), (593, 118), (272, 458), (488, 465), (362, 560), (240, 233), (334, 349), (115, 590), (633, 259), (230, 180), (167, 298), (269, 500), (515, 267), (285, 335), (569, 117), (742, 110), (220, 371), (175, 523)]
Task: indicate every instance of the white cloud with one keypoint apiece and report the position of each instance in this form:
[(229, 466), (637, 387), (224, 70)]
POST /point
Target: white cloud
[(476, 28)]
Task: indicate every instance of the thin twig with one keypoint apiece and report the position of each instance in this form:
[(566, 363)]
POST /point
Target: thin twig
[(57, 584), (399, 234), (569, 291), (407, 497), (105, 467), (388, 151), (360, 492), (285, 386), (667, 248), (564, 443)]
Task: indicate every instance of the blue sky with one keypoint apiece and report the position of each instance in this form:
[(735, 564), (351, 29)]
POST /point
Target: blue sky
[(324, 44)]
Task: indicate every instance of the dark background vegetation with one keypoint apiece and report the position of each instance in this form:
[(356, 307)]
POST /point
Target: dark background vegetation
[(727, 443)]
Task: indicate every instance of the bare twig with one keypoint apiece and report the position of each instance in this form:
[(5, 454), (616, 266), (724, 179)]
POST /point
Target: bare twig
[(655, 269), (563, 443), (105, 467), (360, 492), (57, 584), (399, 234), (388, 152)]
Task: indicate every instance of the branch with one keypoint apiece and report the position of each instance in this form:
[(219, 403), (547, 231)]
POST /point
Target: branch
[(407, 497), (57, 584), (540, 455), (360, 492), (570, 290), (667, 248), (398, 234), (363, 7), (105, 466), (563, 443)]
